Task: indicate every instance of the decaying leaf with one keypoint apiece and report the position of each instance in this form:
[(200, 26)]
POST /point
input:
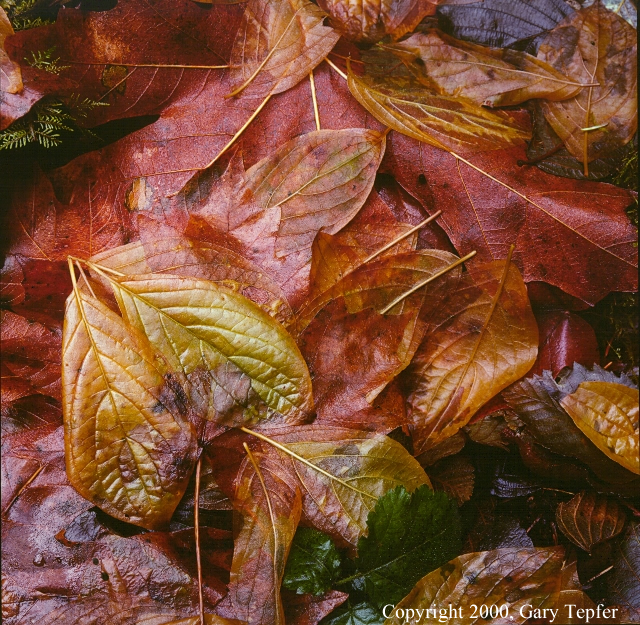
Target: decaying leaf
[(622, 581), (442, 121), (343, 472), (128, 447), (488, 76), (485, 339), (206, 330), (318, 181), (268, 498), (517, 578), (608, 414), (589, 519), (277, 45), (594, 45), (371, 20)]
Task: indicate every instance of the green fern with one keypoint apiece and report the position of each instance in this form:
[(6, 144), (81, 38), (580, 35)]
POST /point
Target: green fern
[(16, 10), (43, 59)]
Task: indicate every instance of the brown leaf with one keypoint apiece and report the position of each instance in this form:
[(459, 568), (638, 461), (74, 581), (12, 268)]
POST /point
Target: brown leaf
[(521, 579), (622, 582), (129, 447), (371, 20), (268, 498), (488, 76), (572, 234), (318, 181), (455, 476), (277, 45), (485, 339), (594, 45), (445, 122), (608, 414), (309, 609), (589, 519)]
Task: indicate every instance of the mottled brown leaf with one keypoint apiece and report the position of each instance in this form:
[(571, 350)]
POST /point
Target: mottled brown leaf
[(486, 339), (277, 45), (589, 519), (488, 76), (598, 46)]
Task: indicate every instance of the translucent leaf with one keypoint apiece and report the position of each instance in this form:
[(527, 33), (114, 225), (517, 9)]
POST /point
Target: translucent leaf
[(225, 345), (128, 448), (484, 339), (442, 121), (277, 45), (607, 413)]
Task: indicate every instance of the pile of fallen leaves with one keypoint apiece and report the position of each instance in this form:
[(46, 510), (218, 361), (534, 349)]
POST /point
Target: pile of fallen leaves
[(312, 341)]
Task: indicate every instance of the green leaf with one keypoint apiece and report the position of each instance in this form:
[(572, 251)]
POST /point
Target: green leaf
[(409, 536), (360, 614), (314, 563)]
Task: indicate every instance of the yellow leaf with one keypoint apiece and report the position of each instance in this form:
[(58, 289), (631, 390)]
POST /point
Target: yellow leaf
[(607, 413), (482, 340), (128, 448), (10, 74), (277, 45), (225, 345), (445, 122)]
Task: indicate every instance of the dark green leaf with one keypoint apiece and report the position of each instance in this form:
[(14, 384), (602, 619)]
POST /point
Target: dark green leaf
[(409, 536), (360, 614), (313, 564)]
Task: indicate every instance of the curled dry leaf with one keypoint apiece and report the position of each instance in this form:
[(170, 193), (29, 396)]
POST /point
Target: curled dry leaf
[(10, 76), (228, 348), (607, 413), (129, 449), (371, 20), (343, 472), (485, 339), (594, 45), (277, 45), (441, 121), (319, 181), (518, 578), (488, 76), (589, 519), (268, 498)]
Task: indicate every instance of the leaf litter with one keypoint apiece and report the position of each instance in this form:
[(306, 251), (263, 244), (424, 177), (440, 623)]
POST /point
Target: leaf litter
[(248, 293)]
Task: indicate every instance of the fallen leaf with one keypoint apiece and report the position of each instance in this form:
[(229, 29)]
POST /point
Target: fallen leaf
[(487, 431), (128, 448), (445, 122), (362, 613), (622, 581), (342, 473), (598, 46), (588, 519), (319, 181), (310, 610), (268, 498), (571, 234), (487, 76), (498, 578), (277, 45), (503, 23), (202, 329), (371, 20), (485, 338), (565, 338), (608, 414), (536, 401), (454, 476), (10, 76)]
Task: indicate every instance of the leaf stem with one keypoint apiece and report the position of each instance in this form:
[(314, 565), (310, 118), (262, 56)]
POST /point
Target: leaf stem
[(336, 68), (425, 282), (196, 527), (116, 64), (315, 100)]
